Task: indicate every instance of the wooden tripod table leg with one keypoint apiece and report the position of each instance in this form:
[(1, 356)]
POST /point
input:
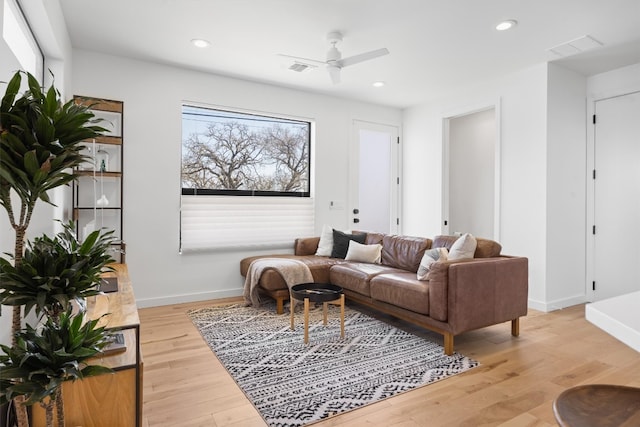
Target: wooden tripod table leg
[(306, 320), (342, 316), (292, 303), (324, 312)]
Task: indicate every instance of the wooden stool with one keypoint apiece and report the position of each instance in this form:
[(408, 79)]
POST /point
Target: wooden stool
[(317, 292), (598, 405)]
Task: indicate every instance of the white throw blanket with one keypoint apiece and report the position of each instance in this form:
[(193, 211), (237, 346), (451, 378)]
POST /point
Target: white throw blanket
[(292, 271)]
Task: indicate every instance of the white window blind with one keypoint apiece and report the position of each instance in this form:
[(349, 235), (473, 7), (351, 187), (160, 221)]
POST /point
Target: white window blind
[(217, 222)]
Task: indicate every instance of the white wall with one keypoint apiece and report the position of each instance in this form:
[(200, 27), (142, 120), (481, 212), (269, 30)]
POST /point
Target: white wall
[(616, 82), (522, 100), (472, 147), (566, 188), (152, 96)]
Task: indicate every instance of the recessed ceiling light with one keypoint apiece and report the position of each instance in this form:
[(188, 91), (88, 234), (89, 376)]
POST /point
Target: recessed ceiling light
[(505, 25), (200, 43), (378, 84)]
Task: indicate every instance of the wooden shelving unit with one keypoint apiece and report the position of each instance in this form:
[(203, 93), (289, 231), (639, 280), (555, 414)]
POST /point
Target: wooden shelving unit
[(102, 177)]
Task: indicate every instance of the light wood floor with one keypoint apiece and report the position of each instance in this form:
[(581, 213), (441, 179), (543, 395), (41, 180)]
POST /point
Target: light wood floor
[(185, 385)]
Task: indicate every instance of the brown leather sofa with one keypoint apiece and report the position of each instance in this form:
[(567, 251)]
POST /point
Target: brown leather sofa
[(458, 296)]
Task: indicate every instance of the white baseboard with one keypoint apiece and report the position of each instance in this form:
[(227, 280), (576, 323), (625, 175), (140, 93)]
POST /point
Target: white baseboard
[(179, 299), (548, 306), (618, 317)]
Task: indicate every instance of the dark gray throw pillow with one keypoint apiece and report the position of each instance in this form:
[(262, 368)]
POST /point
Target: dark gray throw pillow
[(341, 243)]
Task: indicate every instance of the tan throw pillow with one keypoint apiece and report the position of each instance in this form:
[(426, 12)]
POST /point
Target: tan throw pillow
[(463, 248), (431, 256), (364, 253)]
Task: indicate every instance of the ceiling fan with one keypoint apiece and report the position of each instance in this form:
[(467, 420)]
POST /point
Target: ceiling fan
[(334, 62)]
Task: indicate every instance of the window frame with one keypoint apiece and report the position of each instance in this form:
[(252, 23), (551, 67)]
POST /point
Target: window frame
[(258, 193)]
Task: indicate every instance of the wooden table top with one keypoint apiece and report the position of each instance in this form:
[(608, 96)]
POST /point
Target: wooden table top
[(600, 405), (119, 308)]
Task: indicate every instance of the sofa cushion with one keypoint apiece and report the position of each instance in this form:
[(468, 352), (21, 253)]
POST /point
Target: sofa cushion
[(402, 290), (372, 238), (306, 245), (356, 276), (485, 248), (463, 248), (404, 252), (363, 253), (430, 257), (341, 243)]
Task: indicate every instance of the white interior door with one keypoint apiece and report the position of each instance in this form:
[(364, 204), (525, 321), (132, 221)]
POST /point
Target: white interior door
[(374, 188), (471, 174), (616, 241)]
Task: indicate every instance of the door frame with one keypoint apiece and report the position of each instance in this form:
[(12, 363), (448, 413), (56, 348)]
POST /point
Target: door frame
[(395, 198), (497, 177), (590, 293)]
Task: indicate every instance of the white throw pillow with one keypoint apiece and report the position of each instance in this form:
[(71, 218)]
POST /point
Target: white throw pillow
[(364, 253), (428, 259), (325, 245), (463, 248)]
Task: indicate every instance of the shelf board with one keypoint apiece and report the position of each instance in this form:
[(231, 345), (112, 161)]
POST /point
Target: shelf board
[(98, 174), (104, 139), (106, 208), (99, 104)]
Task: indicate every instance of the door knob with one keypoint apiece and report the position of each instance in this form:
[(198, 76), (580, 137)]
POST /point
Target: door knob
[(356, 211)]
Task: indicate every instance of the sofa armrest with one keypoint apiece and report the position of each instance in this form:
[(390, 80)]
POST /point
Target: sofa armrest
[(487, 291), (306, 245), (479, 292)]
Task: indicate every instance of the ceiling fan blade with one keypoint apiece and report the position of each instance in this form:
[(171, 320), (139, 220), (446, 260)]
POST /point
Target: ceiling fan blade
[(312, 62), (363, 57), (334, 73)]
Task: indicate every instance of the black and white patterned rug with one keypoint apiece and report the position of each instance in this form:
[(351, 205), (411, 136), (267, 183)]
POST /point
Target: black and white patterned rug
[(293, 384)]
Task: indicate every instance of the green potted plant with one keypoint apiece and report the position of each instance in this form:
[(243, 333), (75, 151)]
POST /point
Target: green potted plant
[(42, 359), (53, 273), (40, 147)]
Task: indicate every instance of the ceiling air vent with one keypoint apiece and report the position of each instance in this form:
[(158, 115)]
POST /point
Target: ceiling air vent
[(581, 44), (300, 67)]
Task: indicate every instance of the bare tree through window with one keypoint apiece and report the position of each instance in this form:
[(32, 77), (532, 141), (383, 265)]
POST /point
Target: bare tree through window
[(224, 151)]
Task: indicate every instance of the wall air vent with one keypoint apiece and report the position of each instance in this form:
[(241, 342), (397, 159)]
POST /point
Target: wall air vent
[(581, 44)]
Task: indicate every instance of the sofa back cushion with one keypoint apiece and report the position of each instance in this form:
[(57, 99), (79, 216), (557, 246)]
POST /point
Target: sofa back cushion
[(306, 245), (485, 248), (372, 238), (404, 252)]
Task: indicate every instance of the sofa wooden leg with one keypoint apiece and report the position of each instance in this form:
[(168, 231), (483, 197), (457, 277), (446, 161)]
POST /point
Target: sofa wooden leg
[(515, 327), (280, 305), (448, 344)]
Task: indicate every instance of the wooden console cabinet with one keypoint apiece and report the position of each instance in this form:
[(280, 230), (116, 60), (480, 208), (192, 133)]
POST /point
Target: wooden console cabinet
[(112, 399)]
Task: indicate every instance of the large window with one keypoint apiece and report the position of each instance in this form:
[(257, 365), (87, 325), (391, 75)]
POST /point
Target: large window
[(246, 179)]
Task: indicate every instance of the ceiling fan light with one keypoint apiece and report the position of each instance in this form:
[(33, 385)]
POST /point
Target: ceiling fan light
[(200, 43), (506, 25)]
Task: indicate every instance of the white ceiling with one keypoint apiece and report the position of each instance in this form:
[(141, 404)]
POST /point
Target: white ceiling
[(435, 45)]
